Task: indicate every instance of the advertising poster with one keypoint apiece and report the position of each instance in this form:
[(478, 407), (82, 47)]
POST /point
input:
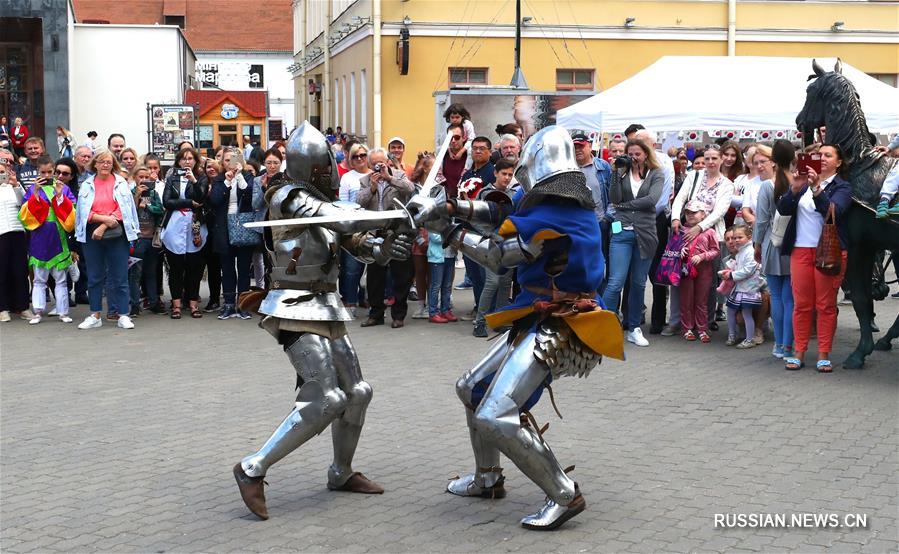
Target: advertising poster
[(169, 126)]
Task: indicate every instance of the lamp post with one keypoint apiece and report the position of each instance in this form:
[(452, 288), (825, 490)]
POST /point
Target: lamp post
[(518, 80)]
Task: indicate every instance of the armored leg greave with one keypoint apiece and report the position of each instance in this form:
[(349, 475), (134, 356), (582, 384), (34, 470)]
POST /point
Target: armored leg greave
[(322, 365), (497, 419), (346, 429), (486, 454)]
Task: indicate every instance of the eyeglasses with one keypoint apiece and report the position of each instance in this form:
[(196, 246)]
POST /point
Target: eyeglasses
[(762, 162), (104, 162), (360, 156), (479, 148), (63, 173)]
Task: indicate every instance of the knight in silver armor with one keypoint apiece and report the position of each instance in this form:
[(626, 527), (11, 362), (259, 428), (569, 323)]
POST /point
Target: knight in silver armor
[(304, 313), (558, 326)]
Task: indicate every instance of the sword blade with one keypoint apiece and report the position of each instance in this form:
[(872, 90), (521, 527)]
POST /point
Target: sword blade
[(350, 215), (438, 162)]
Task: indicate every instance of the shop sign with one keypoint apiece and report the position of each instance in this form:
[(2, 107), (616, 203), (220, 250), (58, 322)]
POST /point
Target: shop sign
[(231, 75), (229, 111)]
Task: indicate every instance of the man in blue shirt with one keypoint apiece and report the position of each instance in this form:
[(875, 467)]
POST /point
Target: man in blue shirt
[(480, 162)]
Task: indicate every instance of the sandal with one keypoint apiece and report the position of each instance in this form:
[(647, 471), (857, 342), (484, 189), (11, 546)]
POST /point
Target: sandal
[(793, 364), (176, 312), (690, 336), (824, 366), (196, 312), (704, 337)]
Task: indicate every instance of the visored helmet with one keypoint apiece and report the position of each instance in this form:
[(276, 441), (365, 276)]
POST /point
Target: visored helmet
[(547, 153), (310, 159)]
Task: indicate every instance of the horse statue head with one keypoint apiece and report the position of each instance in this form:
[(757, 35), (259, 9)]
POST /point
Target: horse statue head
[(831, 101)]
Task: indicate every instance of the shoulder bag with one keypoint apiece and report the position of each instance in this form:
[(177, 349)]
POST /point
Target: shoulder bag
[(669, 269), (779, 225), (829, 255), (238, 235)]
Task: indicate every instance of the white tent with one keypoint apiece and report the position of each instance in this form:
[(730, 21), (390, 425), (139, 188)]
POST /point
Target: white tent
[(707, 93)]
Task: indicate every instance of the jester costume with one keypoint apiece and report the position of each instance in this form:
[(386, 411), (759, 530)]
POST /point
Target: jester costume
[(558, 327), (49, 218)]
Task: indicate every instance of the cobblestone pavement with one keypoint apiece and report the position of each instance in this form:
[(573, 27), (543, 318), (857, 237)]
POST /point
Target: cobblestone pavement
[(124, 441)]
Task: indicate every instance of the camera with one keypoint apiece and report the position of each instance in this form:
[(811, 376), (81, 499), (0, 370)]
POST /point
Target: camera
[(623, 162), (378, 167)]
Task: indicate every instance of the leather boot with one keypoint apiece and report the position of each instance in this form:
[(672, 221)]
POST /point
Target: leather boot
[(358, 483), (251, 490)]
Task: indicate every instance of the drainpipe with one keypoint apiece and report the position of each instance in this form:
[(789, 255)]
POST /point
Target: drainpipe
[(376, 72), (304, 88), (731, 27), (326, 78)]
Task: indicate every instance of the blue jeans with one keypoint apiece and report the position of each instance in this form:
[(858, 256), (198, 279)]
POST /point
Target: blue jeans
[(350, 276), (144, 272), (107, 263), (236, 271), (624, 255), (781, 308), (441, 286), (477, 276)]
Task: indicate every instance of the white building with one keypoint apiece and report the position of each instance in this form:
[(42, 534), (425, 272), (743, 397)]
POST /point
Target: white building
[(253, 71), (116, 70)]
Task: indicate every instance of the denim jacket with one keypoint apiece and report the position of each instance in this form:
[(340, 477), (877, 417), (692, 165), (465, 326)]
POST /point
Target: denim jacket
[(122, 193)]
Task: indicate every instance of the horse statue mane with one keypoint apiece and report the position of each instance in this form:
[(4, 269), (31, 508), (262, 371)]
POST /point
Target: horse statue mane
[(832, 101)]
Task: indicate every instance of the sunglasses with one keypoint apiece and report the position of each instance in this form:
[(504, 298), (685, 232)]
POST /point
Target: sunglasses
[(63, 173), (360, 156)]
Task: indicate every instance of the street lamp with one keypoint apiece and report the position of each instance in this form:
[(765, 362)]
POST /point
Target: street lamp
[(629, 22), (837, 26)]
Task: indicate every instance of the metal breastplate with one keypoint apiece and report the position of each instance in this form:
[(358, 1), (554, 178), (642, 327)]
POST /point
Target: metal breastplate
[(304, 276)]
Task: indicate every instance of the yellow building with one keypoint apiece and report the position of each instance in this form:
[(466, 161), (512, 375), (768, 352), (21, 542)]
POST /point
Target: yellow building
[(348, 54)]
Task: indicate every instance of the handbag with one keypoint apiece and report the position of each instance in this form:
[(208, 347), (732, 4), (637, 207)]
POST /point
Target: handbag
[(829, 254), (116, 232), (779, 228), (157, 238), (668, 272), (238, 235)]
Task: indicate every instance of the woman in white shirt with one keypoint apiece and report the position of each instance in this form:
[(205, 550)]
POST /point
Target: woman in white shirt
[(350, 182), (184, 230), (350, 268), (746, 189), (13, 245)]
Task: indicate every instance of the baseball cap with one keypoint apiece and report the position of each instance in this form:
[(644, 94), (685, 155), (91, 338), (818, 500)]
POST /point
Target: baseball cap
[(696, 206), (396, 139), (579, 135)]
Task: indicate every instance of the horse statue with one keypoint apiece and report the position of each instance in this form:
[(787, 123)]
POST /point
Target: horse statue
[(832, 101)]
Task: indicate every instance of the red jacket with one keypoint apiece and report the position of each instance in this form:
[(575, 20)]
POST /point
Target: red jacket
[(18, 136), (705, 244)]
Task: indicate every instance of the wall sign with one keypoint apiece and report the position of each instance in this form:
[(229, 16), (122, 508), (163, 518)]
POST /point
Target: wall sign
[(231, 75), (169, 126), (229, 111)]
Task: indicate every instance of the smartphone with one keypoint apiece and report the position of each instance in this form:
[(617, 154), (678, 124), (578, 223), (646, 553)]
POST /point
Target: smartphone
[(806, 161), (150, 186), (4, 178)]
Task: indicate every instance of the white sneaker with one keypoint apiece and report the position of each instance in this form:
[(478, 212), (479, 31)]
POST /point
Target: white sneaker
[(26, 314), (4, 316), (125, 322), (91, 322), (64, 318), (636, 337), (35, 320), (422, 313)]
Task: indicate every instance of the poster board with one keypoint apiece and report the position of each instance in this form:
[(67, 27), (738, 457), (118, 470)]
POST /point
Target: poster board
[(170, 124)]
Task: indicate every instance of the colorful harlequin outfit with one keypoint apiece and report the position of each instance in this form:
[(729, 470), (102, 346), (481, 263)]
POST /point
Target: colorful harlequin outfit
[(49, 218)]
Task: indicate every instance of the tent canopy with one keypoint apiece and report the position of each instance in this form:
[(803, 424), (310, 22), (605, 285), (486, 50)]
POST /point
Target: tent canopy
[(752, 93)]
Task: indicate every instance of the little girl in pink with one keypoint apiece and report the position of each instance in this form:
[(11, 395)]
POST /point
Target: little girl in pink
[(697, 278)]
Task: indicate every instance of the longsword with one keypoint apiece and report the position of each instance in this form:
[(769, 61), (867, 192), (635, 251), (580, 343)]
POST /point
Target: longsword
[(365, 215)]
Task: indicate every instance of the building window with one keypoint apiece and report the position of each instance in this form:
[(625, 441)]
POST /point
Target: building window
[(336, 102), (888, 78), (343, 122), (363, 109), (175, 20), (462, 76), (352, 103), (574, 79)]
